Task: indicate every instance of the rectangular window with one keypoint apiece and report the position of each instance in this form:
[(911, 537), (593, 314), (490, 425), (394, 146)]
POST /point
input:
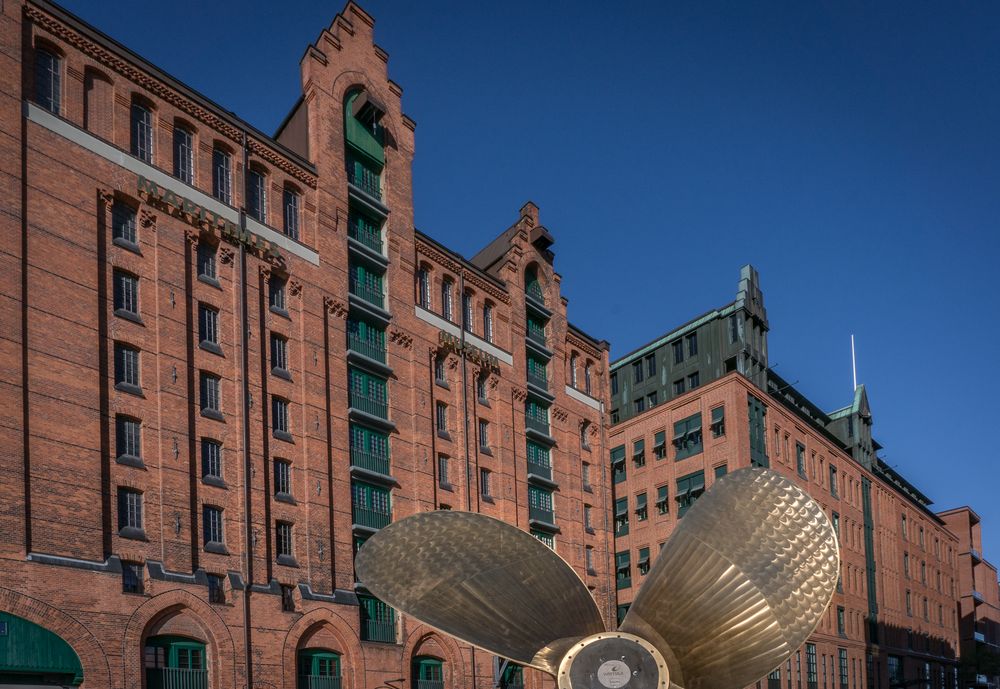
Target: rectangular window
[(283, 539), (129, 509), (679, 387), (440, 375), (132, 577), (735, 328), (618, 464), (833, 481), (589, 559), (123, 230), (276, 295), (621, 516), (693, 380), (651, 400), (812, 676), (128, 439), (141, 132), (614, 383), (637, 372), (906, 565), (279, 418), (757, 413), (651, 365), (643, 561), (424, 288), (718, 422), (546, 538), (211, 403), (216, 591), (660, 444), (484, 434), (623, 570), (481, 382), (468, 320), (484, 483), (222, 175), (208, 327), (615, 416), (48, 75), (282, 477), (441, 417), (841, 627), (287, 599), (835, 520), (126, 288), (721, 470), (692, 344), (687, 437), (588, 515), (290, 207), (206, 262), (366, 283), (678, 348), (279, 353), (800, 459), (689, 489), (540, 505), (662, 505), (842, 656), (212, 525), (257, 195), (183, 155), (641, 511), (909, 603), (488, 322), (127, 368), (639, 452), (585, 476), (211, 458), (443, 470)]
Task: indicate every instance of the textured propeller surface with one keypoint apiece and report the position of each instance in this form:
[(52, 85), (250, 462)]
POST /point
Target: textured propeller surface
[(483, 581), (745, 578)]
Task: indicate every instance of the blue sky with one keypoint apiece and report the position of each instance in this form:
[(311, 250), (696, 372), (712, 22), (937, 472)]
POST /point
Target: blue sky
[(847, 149)]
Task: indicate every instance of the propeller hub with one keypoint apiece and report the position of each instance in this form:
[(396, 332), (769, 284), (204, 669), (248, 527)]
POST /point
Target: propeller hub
[(613, 660)]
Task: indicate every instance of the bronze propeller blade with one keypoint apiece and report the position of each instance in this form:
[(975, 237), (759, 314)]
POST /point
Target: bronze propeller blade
[(483, 581), (745, 578)]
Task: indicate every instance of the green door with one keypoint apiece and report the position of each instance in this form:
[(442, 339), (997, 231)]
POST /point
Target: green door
[(30, 653)]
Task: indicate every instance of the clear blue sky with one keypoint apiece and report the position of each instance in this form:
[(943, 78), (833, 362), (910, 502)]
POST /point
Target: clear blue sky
[(849, 150)]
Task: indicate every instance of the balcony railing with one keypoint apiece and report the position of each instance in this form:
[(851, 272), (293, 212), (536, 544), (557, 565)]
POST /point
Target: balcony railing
[(372, 295), (378, 621), (370, 461), (534, 290), (176, 678), (540, 425), (366, 235), (370, 349), (538, 380), (319, 682), (430, 684), (365, 179), (369, 405), (543, 470), (373, 519), (541, 514)]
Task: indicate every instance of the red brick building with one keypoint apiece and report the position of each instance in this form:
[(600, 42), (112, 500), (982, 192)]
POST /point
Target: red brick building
[(230, 358), (700, 401), (978, 602)]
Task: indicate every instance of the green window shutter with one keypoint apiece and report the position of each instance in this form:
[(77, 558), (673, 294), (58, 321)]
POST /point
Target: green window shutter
[(688, 489), (638, 447), (660, 444), (621, 506), (687, 437), (640, 500), (720, 471), (365, 139), (617, 454)]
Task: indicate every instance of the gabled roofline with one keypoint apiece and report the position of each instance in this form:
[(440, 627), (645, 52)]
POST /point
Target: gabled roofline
[(674, 334), (500, 284)]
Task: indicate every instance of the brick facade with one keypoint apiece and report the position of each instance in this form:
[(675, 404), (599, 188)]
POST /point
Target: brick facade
[(282, 553)]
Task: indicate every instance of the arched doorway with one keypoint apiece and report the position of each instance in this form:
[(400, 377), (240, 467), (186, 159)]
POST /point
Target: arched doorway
[(427, 673), (318, 668), (31, 655)]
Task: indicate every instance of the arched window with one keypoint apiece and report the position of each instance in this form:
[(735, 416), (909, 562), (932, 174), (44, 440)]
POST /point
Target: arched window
[(97, 104), (319, 668), (428, 673), (183, 153), (222, 174), (424, 287), (468, 311), (48, 79), (447, 305), (587, 385), (257, 194), (175, 661), (365, 142), (488, 321), (141, 131), (290, 203), (532, 285), (572, 369)]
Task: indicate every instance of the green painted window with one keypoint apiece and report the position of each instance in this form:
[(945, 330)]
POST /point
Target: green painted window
[(536, 416), (371, 505), (366, 338), (365, 229), (618, 463), (546, 538), (537, 369), (800, 459), (532, 285), (689, 489), (643, 562), (367, 284), (378, 620), (757, 412), (720, 471), (364, 136), (623, 570), (662, 506), (511, 676), (539, 455), (369, 449), (639, 452), (687, 437), (536, 329), (30, 649), (368, 393), (718, 422), (641, 511), (540, 498), (319, 669), (175, 661), (621, 516), (428, 672)]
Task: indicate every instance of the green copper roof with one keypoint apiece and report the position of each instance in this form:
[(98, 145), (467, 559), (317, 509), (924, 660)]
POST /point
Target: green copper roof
[(29, 649)]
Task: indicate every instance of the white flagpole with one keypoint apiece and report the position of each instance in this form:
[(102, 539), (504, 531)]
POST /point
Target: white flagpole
[(854, 365)]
